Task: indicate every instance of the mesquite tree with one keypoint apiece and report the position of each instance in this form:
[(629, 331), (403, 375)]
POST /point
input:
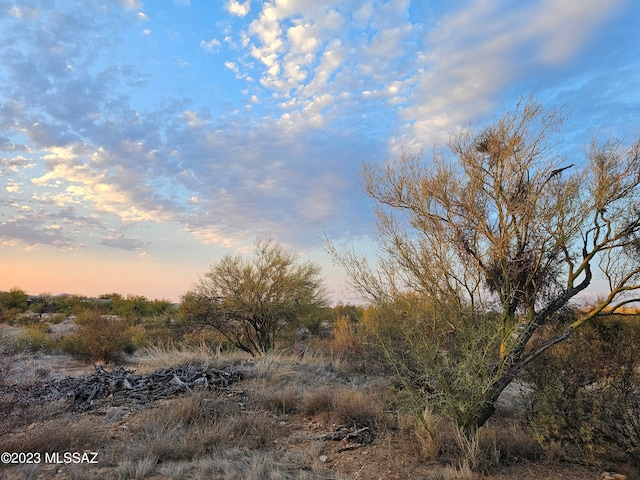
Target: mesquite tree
[(484, 246), (252, 300)]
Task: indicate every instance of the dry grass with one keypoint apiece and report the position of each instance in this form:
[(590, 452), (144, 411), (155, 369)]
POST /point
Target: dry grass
[(355, 407), (508, 442), (57, 435), (344, 406), (269, 426), (281, 400), (156, 357), (318, 401), (275, 367), (463, 472)]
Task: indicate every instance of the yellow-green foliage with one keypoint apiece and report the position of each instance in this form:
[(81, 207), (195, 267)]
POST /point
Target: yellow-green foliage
[(100, 338), (36, 338)]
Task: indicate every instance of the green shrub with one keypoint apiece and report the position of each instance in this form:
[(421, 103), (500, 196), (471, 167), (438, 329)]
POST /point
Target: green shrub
[(36, 338), (586, 391), (99, 338)]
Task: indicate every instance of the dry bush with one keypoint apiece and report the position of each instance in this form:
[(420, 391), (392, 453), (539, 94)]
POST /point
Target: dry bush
[(58, 435), (345, 407), (463, 472), (182, 429), (509, 442), (169, 442), (318, 401), (279, 399), (199, 409), (586, 392), (155, 357), (253, 430), (99, 338), (188, 428), (7, 360), (240, 464), (359, 408)]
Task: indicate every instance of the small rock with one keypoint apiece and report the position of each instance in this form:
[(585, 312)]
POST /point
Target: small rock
[(323, 458)]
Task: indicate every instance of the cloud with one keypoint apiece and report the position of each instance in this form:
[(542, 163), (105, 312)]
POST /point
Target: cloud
[(477, 52), (240, 9), (212, 45), (99, 140), (123, 243), (14, 165), (23, 232)]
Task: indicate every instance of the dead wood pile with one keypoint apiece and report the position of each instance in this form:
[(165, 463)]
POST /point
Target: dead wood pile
[(121, 386)]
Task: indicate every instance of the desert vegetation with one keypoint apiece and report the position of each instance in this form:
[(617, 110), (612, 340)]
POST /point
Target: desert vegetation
[(474, 354)]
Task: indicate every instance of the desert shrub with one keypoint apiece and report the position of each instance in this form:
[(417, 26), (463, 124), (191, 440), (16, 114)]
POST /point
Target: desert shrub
[(10, 315), (354, 344), (207, 336), (253, 430), (99, 338), (182, 429), (136, 338), (279, 399), (586, 393), (15, 299), (344, 407), (84, 316), (356, 407), (318, 401), (500, 443), (36, 338), (157, 335)]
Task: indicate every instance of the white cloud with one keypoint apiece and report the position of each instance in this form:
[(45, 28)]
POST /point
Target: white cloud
[(240, 9), (212, 45), (565, 26), (478, 51), (304, 37), (231, 66)]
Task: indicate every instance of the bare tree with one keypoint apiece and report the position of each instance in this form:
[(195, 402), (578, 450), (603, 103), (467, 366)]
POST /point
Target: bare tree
[(251, 301), (493, 243)]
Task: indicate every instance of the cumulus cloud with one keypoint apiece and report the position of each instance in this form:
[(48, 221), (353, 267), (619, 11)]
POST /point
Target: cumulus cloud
[(240, 9)]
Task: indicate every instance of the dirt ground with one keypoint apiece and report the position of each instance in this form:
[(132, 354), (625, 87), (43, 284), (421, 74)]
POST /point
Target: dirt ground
[(300, 444)]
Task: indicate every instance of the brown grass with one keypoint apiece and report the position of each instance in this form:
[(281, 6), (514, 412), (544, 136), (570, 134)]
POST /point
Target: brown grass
[(281, 400), (58, 435), (271, 425)]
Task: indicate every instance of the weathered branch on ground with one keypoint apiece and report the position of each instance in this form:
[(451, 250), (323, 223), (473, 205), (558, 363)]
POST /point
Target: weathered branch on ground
[(121, 386)]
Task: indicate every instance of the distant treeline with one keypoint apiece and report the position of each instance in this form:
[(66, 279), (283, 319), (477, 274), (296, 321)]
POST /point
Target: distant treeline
[(130, 306)]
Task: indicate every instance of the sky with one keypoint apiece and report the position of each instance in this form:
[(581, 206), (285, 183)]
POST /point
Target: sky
[(142, 141)]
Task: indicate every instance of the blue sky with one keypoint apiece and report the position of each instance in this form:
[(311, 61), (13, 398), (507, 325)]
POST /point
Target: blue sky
[(140, 141)]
